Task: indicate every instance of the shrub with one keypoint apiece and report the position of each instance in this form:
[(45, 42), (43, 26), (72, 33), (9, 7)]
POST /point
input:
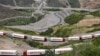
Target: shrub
[(83, 50), (66, 54), (96, 29), (74, 18), (96, 25), (96, 13), (20, 21), (49, 53), (34, 43), (96, 41), (52, 9), (63, 32), (47, 33)]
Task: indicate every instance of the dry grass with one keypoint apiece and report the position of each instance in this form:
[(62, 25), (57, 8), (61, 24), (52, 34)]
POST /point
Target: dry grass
[(89, 21)]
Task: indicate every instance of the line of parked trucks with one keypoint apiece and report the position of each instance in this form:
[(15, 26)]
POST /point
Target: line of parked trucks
[(51, 39), (44, 39), (33, 52)]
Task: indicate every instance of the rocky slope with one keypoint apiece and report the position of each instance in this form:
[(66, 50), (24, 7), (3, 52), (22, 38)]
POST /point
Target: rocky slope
[(56, 3), (6, 13), (19, 2), (90, 3), (14, 44)]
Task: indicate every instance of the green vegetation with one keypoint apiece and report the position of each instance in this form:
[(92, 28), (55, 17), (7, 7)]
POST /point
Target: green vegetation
[(20, 21), (53, 9), (96, 41), (41, 46), (47, 33), (77, 16), (34, 43), (25, 11), (62, 32), (66, 54), (96, 28), (49, 53), (96, 13), (96, 25), (85, 49), (74, 3), (18, 30), (74, 18)]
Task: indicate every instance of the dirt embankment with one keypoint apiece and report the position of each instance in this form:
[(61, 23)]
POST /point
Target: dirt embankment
[(89, 21)]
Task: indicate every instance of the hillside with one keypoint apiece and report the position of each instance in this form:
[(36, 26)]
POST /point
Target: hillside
[(8, 43), (56, 3), (6, 13), (76, 23), (90, 3), (19, 2), (7, 2)]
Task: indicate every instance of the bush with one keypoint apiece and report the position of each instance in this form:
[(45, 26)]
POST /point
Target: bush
[(96, 13), (38, 45), (66, 54), (96, 25), (63, 32), (90, 51), (24, 10), (83, 50), (96, 29), (34, 43), (52, 9), (47, 33), (49, 53), (74, 18), (20, 21), (60, 31), (96, 41), (23, 31)]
